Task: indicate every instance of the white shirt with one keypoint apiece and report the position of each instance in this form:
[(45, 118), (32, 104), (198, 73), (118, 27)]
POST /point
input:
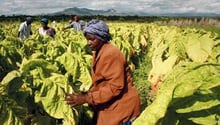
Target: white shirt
[(50, 31), (77, 26), (25, 30), (42, 31)]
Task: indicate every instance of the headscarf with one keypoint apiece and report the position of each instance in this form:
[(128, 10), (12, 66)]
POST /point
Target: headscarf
[(99, 29), (29, 20), (45, 20)]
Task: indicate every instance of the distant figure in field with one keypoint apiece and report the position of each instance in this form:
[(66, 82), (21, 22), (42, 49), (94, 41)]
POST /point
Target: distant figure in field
[(54, 24), (24, 30), (76, 24), (45, 29)]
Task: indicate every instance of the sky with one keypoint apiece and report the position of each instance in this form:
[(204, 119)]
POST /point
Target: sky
[(34, 7)]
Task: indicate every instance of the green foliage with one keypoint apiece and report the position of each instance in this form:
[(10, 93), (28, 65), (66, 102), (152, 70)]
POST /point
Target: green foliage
[(36, 73), (184, 93)]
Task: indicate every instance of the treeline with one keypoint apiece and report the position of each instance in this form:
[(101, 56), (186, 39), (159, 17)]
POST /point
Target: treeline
[(179, 21), (67, 17)]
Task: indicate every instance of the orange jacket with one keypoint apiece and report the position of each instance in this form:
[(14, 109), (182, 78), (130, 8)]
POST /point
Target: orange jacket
[(112, 95)]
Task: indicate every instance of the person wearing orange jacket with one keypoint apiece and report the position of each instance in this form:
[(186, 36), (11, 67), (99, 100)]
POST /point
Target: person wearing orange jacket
[(112, 96)]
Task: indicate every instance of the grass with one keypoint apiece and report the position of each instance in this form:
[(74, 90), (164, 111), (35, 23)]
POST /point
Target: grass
[(140, 77), (209, 28)]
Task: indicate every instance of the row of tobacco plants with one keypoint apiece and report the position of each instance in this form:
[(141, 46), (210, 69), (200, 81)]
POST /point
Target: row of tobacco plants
[(180, 65)]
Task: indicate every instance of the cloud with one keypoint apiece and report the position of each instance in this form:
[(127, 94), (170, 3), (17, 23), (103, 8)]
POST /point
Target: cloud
[(180, 6), (150, 6), (33, 6)]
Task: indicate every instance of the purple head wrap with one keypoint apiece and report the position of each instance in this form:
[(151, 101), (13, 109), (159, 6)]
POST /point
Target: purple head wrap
[(99, 29)]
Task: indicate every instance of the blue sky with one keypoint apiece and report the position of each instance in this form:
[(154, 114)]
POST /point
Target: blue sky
[(33, 7)]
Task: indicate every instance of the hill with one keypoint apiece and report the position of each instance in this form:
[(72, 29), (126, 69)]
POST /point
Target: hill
[(110, 12)]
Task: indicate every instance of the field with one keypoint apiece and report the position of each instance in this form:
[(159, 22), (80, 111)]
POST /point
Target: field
[(175, 68)]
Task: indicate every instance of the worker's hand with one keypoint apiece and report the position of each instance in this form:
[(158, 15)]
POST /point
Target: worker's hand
[(75, 99)]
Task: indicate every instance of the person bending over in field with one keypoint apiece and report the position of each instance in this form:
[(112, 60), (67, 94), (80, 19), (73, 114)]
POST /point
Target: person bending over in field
[(112, 96), (45, 29), (75, 23), (24, 30)]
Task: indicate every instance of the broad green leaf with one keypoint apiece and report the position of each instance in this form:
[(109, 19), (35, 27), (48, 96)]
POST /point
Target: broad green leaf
[(199, 48), (51, 98), (206, 120), (32, 64), (10, 118)]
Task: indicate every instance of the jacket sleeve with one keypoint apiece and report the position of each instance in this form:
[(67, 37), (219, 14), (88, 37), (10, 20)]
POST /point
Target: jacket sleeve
[(113, 73)]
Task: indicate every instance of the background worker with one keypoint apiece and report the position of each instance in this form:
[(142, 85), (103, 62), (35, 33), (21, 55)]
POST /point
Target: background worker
[(76, 24), (45, 29), (24, 30)]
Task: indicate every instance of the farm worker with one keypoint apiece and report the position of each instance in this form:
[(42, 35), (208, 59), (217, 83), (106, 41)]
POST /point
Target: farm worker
[(24, 30), (112, 96), (76, 24), (45, 29)]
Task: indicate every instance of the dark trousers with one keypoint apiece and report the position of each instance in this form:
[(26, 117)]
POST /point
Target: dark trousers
[(126, 123)]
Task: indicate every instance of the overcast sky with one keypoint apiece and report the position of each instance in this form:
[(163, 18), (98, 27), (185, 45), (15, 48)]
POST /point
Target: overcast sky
[(33, 7)]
